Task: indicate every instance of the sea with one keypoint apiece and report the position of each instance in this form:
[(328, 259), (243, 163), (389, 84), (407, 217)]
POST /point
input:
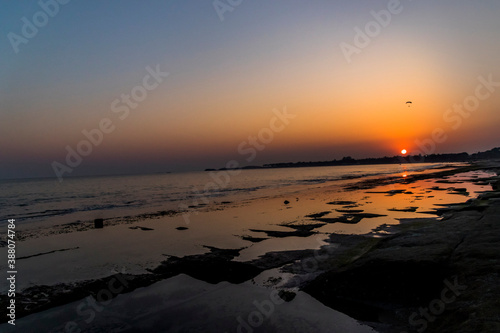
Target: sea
[(44, 201)]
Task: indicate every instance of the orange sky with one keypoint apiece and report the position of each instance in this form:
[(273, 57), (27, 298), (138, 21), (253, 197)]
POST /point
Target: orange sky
[(227, 77)]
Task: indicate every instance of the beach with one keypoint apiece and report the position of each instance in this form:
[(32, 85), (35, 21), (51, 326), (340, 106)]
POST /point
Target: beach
[(360, 254), (249, 166), (426, 276)]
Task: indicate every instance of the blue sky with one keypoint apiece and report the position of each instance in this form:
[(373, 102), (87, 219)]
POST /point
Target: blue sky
[(227, 76)]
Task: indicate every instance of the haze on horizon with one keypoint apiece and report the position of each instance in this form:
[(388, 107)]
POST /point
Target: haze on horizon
[(232, 70)]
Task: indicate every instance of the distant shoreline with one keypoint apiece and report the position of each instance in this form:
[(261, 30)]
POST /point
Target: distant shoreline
[(412, 159)]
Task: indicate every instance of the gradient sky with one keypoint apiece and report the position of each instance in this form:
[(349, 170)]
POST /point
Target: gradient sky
[(226, 77)]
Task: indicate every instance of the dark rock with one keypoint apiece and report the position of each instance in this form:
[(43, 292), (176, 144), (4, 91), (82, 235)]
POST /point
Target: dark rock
[(253, 239), (286, 295), (410, 269), (282, 234), (341, 203), (349, 218), (141, 228), (437, 188), (318, 215), (98, 223), (349, 211), (212, 267), (340, 219), (305, 227), (407, 209)]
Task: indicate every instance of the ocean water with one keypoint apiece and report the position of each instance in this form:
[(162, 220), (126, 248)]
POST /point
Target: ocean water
[(46, 212), (33, 202)]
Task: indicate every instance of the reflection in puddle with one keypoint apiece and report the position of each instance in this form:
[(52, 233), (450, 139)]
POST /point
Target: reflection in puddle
[(248, 226)]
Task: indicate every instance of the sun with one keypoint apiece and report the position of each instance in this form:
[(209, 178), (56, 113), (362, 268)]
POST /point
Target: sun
[(404, 151)]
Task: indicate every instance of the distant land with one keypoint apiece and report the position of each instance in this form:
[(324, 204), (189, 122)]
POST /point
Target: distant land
[(348, 160)]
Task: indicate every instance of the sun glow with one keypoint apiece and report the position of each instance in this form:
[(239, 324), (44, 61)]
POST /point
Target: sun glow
[(404, 151)]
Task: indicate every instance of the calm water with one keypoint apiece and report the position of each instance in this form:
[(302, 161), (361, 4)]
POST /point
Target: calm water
[(43, 200)]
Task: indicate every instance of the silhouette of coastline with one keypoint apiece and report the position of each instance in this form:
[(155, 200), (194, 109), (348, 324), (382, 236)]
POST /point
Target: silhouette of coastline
[(348, 160)]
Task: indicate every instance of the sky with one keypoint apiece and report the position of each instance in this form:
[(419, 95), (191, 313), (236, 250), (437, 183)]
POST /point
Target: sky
[(187, 85)]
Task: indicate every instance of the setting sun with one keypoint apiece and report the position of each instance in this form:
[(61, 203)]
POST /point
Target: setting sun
[(404, 151)]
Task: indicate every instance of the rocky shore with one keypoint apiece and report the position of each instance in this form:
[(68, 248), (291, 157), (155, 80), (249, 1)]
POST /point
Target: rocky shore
[(427, 276), (422, 275)]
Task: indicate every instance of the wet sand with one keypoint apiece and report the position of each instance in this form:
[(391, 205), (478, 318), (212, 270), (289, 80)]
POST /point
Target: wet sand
[(298, 242)]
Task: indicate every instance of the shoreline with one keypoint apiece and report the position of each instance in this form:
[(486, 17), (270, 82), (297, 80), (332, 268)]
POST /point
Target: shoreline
[(426, 276), (81, 223), (220, 265)]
